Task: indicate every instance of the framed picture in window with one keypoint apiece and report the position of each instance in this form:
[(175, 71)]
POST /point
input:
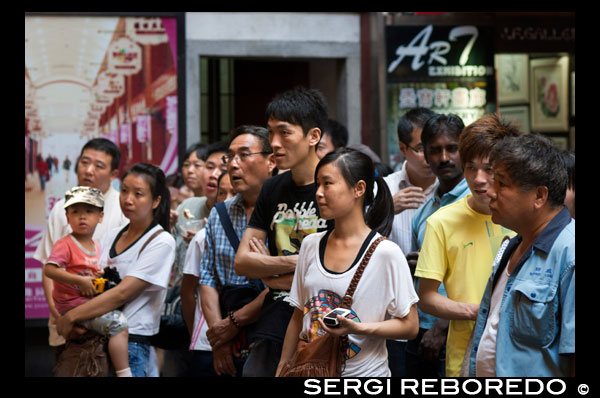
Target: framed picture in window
[(518, 114), (513, 78), (549, 94)]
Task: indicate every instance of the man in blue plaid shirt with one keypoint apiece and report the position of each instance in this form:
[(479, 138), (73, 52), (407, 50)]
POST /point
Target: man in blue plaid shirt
[(249, 163)]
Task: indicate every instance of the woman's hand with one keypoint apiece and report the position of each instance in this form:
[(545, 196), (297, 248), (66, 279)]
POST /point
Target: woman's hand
[(346, 327), (67, 328)]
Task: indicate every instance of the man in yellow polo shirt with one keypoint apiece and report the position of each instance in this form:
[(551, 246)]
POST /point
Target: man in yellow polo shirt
[(461, 242)]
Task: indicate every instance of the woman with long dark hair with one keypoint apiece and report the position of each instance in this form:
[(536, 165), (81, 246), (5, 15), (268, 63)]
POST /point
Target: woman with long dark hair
[(327, 261), (142, 255)]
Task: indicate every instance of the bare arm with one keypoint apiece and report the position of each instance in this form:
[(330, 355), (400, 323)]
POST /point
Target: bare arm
[(258, 265), (224, 330), (85, 283), (188, 300), (291, 339), (114, 298), (48, 288), (440, 306), (395, 328)]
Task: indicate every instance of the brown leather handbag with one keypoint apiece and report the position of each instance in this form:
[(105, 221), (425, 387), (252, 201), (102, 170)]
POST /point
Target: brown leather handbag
[(325, 356), (86, 356)]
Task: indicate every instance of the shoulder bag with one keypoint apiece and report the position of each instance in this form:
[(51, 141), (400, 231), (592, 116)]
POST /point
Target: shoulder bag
[(325, 356), (172, 333)]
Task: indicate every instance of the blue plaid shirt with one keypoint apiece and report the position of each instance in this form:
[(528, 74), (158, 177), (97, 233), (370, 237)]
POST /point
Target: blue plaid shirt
[(218, 252)]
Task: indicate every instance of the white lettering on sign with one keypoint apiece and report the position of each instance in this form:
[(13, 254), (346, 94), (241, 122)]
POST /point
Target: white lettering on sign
[(459, 97), (418, 48)]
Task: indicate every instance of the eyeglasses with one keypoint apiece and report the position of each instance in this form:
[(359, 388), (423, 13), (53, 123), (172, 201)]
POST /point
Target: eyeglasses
[(242, 157), (417, 150)]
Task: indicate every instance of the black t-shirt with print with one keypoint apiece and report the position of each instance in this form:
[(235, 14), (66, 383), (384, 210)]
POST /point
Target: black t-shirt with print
[(287, 213)]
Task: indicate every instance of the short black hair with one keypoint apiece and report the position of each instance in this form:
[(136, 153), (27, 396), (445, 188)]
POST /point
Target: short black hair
[(338, 133), (259, 132), (415, 117), (219, 146), (200, 150), (106, 146), (440, 123), (299, 106), (569, 159), (532, 160)]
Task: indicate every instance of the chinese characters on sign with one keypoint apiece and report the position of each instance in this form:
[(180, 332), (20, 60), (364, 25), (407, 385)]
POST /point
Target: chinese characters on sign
[(448, 69), (459, 97)]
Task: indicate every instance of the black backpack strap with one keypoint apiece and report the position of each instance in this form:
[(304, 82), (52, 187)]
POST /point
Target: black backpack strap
[(227, 226)]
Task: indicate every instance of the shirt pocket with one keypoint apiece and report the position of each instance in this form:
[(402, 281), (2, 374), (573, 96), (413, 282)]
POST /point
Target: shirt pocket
[(534, 319)]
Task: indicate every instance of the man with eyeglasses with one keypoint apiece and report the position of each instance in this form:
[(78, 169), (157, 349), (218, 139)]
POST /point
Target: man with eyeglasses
[(414, 183), (250, 163), (410, 187), (425, 356)]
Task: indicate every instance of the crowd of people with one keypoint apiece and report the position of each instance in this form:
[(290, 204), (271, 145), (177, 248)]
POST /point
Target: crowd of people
[(260, 236)]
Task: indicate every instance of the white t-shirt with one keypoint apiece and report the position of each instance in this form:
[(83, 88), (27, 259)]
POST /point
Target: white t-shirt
[(401, 228), (152, 266), (191, 266), (385, 288), (486, 353)]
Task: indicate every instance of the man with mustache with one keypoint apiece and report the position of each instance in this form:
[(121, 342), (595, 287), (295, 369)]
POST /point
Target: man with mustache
[(425, 356), (461, 241)]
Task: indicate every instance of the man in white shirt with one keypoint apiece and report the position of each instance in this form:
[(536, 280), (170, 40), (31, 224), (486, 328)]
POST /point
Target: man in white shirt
[(415, 182), (410, 187), (97, 166)]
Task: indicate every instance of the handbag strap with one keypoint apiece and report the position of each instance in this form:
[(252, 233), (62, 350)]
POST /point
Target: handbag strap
[(154, 235), (347, 300), (227, 226)]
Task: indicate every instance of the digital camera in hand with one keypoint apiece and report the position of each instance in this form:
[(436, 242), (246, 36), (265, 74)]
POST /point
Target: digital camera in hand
[(109, 280), (331, 318)]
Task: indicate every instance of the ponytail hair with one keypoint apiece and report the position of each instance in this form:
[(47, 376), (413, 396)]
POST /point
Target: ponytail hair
[(155, 177), (355, 166)]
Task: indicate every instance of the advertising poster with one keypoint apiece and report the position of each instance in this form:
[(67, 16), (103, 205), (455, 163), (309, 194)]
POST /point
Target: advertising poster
[(89, 76), (449, 69)]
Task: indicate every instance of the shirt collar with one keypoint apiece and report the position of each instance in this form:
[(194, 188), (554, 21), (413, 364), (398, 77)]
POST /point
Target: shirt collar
[(404, 182), (546, 238), (455, 192), (543, 242)]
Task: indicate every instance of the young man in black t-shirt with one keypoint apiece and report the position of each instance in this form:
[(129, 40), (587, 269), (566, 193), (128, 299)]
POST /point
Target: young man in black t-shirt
[(285, 212)]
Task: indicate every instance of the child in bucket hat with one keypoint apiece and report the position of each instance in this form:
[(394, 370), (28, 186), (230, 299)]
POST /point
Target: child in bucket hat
[(78, 254)]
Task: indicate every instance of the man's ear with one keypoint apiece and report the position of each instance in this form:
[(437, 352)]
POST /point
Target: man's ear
[(403, 148), (541, 197), (314, 136)]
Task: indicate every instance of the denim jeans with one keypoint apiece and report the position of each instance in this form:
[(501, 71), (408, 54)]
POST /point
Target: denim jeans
[(139, 359)]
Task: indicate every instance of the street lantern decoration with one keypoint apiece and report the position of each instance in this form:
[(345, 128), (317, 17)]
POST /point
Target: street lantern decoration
[(146, 30), (124, 57), (99, 98), (111, 85)]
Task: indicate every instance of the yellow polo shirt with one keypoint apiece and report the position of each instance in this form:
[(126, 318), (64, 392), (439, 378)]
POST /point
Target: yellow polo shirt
[(458, 249)]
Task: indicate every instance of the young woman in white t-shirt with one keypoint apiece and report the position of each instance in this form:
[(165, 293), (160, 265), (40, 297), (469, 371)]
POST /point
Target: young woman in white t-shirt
[(327, 262), (145, 201)]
